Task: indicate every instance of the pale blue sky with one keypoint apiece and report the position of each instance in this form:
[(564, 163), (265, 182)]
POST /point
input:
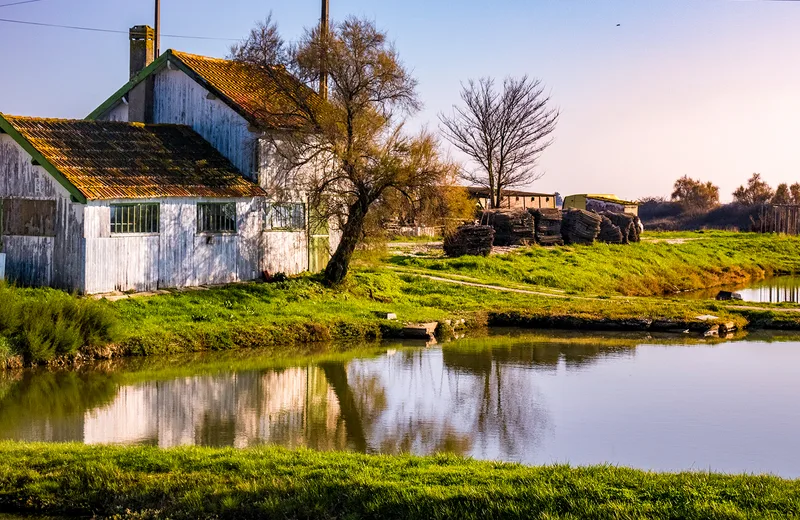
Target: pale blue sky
[(706, 88)]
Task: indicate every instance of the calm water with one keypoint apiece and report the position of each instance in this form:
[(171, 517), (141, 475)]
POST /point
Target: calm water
[(780, 289), (730, 407)]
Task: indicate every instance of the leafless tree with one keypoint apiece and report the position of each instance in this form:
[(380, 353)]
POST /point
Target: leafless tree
[(351, 150), (503, 133), (264, 45)]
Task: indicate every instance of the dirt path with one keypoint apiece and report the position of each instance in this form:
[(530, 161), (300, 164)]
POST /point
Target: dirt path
[(671, 241), (464, 281)]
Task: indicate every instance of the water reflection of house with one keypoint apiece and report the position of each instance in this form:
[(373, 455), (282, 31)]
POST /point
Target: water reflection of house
[(294, 407)]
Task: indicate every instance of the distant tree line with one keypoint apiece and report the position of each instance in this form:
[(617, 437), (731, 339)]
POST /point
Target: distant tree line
[(695, 195), (695, 204)]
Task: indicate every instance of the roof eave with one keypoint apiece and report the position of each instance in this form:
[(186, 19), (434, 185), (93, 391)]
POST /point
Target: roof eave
[(117, 96), (26, 145), (170, 57)]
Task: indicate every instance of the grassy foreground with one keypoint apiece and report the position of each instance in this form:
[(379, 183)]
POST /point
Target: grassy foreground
[(663, 263), (605, 287), (277, 483)]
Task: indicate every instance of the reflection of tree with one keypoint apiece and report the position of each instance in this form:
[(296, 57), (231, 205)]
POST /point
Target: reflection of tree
[(479, 406), (337, 377), (43, 405), (541, 355), (481, 401)]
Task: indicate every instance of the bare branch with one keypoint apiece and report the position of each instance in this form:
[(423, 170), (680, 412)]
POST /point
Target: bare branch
[(503, 134)]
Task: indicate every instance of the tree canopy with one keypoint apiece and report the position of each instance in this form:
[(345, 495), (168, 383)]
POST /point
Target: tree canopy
[(695, 195), (757, 191), (353, 150), (502, 132), (264, 45)]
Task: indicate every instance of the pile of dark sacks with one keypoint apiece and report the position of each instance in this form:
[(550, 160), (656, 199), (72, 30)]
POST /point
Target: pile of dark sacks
[(628, 225), (512, 227), (469, 240), (609, 233), (547, 226), (580, 226)]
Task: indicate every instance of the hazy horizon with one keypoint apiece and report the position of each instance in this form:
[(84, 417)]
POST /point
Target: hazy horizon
[(705, 88)]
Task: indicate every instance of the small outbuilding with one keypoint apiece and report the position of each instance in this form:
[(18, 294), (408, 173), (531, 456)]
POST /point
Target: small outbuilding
[(512, 199), (100, 206)]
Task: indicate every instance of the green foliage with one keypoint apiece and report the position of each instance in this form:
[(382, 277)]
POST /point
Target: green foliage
[(757, 191), (5, 348), (695, 195), (145, 482), (42, 324)]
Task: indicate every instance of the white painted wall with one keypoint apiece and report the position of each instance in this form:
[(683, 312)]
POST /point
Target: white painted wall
[(177, 256), (179, 99), (285, 252), (41, 261), (117, 113)]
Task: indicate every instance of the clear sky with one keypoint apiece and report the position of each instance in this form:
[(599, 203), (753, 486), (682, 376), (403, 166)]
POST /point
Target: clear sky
[(705, 88)]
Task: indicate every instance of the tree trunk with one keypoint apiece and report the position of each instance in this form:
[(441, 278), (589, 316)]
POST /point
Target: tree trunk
[(339, 263)]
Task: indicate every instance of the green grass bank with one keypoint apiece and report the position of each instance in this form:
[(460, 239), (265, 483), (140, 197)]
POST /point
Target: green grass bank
[(191, 483), (600, 287)]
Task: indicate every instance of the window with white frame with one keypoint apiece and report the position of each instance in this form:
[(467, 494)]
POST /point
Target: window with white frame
[(135, 218), (285, 216), (216, 217)]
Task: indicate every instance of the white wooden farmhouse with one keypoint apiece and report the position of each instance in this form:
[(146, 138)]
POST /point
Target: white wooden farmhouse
[(166, 184)]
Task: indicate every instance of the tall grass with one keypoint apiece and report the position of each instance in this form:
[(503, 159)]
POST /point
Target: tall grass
[(189, 483), (42, 324)]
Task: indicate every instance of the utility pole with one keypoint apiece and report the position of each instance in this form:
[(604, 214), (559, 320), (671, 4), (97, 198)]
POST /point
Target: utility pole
[(324, 22), (158, 29)]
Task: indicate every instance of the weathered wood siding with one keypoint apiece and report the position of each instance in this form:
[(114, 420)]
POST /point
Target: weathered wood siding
[(56, 259), (285, 252), (177, 256), (181, 100), (118, 112)]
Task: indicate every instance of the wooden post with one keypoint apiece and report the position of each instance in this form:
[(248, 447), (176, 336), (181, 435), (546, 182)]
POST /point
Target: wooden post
[(158, 29), (324, 22)]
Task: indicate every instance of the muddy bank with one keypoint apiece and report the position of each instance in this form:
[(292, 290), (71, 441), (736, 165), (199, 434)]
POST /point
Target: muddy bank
[(702, 325)]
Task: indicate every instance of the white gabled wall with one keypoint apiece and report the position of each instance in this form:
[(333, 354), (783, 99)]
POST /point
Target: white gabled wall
[(41, 260), (118, 112), (181, 100)]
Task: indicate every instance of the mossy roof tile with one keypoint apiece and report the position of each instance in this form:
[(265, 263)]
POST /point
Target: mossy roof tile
[(114, 160), (265, 94)]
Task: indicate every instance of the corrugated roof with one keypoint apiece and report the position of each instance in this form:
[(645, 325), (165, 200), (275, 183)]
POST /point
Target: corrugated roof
[(263, 93), (480, 190), (604, 197), (113, 160)]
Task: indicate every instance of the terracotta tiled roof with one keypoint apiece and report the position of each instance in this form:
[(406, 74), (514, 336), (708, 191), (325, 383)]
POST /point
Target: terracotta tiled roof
[(260, 92), (110, 160)]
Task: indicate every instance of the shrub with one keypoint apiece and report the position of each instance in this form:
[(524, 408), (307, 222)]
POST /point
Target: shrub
[(43, 324)]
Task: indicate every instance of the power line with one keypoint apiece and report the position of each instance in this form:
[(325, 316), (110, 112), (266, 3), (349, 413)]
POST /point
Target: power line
[(112, 31), (20, 3)]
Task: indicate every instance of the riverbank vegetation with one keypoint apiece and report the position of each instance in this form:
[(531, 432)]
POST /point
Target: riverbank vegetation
[(40, 324), (600, 287), (145, 482)]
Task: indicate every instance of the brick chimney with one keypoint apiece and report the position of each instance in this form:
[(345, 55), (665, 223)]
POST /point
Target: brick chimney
[(140, 98)]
